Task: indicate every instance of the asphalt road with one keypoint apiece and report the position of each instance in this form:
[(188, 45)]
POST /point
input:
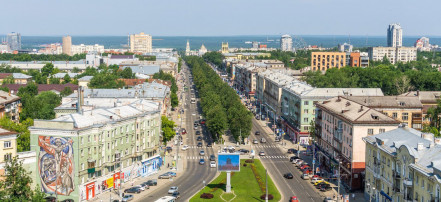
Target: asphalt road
[(194, 174)]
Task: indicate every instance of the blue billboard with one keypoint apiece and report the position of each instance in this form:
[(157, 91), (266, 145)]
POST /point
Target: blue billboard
[(228, 162)]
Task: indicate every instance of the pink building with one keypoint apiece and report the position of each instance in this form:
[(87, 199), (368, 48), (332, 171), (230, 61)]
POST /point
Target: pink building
[(341, 124)]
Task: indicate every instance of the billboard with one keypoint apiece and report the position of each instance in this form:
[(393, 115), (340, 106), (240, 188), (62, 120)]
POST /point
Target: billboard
[(228, 162)]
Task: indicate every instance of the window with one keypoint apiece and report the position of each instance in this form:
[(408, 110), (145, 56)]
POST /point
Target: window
[(8, 156), (306, 103), (82, 166), (305, 111), (306, 128), (81, 140), (382, 130), (7, 144), (122, 140), (88, 138), (405, 116), (370, 131), (82, 154), (394, 115), (305, 120)]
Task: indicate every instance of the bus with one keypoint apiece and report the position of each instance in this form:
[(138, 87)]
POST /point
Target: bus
[(193, 100), (166, 199)]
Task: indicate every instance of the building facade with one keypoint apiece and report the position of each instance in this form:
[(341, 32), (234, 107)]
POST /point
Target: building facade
[(84, 154), (140, 43), (67, 45), (340, 126), (78, 49), (402, 165), (394, 35), (14, 41), (286, 43), (10, 105), (393, 54), (325, 60)]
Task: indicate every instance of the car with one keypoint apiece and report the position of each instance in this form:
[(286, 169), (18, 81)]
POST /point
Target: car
[(169, 149), (142, 188), (196, 123), (195, 127), (152, 182), (199, 138), (202, 121), (292, 158), (244, 151), (288, 176), (201, 161), (325, 187), (304, 167), (277, 139), (257, 117), (212, 157), (255, 141), (199, 144), (305, 176), (176, 195), (212, 164), (257, 133), (296, 160), (293, 199), (209, 145), (263, 140), (183, 131), (173, 174), (50, 199), (262, 153), (185, 147), (328, 199), (198, 132), (133, 190), (127, 197), (291, 151), (172, 189), (320, 183), (164, 176), (316, 179), (202, 153), (71, 200)]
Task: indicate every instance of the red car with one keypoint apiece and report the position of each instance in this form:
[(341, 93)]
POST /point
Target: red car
[(294, 199), (307, 171), (304, 166), (202, 121), (183, 132)]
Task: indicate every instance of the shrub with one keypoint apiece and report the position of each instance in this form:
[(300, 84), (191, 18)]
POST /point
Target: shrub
[(270, 197), (249, 161), (207, 196), (244, 165)]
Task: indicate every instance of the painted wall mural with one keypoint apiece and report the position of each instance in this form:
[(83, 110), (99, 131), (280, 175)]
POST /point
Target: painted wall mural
[(56, 165)]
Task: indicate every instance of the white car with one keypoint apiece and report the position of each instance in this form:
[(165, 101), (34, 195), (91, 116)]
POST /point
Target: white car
[(213, 164), (140, 187), (185, 147), (262, 153), (172, 190)]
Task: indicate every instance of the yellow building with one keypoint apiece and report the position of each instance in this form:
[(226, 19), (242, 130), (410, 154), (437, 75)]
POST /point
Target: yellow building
[(140, 43), (403, 165), (244, 56), (225, 48), (8, 147), (326, 60)]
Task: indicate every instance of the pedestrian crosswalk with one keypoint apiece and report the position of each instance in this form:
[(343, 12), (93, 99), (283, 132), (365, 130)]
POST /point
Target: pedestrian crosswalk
[(261, 157), (266, 146), (273, 157)]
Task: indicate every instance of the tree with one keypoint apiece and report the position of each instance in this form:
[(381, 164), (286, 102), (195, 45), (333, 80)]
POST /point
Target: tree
[(174, 100), (54, 80), (23, 139), (8, 80), (30, 89), (167, 129), (76, 70), (66, 91), (66, 79), (15, 185), (4, 88), (47, 69), (312, 131), (127, 73)]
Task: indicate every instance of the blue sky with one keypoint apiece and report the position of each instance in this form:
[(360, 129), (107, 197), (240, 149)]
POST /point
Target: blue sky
[(219, 17)]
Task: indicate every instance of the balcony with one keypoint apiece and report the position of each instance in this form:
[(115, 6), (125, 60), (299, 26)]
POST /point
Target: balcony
[(407, 182), (397, 189), (397, 175)]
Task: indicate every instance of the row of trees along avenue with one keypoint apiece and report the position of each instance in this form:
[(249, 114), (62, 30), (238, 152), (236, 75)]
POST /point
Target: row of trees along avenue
[(220, 104)]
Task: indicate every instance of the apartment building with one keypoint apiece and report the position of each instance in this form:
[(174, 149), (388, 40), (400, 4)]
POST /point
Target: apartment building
[(94, 150), (78, 49), (427, 98), (402, 165), (407, 110), (10, 105), (325, 60), (340, 126), (393, 54), (140, 43), (269, 90), (298, 106)]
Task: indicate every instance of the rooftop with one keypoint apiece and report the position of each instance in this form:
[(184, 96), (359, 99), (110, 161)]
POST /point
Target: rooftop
[(354, 112), (387, 101), (4, 132), (5, 97), (144, 69), (425, 96), (61, 75), (85, 78), (43, 87), (145, 90)]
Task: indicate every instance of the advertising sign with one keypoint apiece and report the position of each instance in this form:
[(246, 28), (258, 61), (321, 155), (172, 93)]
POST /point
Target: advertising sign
[(228, 162)]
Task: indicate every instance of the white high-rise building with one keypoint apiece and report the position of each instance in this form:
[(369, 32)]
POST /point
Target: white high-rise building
[(187, 48), (140, 43), (286, 43), (394, 35)]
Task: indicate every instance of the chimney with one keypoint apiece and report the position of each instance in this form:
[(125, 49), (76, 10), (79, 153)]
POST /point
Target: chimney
[(420, 146)]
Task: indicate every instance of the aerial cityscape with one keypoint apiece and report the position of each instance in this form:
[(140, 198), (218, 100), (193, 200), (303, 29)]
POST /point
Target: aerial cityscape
[(220, 101)]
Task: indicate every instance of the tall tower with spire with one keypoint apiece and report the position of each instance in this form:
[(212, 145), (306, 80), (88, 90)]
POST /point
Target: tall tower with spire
[(187, 49)]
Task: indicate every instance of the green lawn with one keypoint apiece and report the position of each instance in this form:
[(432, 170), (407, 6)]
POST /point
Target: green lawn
[(243, 183)]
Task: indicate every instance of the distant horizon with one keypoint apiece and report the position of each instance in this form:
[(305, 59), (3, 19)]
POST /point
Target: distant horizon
[(258, 35)]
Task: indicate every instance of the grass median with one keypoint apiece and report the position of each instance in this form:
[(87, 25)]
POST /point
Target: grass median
[(248, 185)]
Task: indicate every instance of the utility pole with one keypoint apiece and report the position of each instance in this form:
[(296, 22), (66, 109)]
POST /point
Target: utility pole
[(266, 182)]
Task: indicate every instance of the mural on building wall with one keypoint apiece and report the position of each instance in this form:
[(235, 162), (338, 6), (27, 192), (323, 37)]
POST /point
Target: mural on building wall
[(56, 165)]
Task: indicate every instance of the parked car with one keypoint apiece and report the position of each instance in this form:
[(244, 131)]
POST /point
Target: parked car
[(198, 132), (255, 141), (185, 147), (169, 149), (183, 131), (195, 127), (202, 162), (142, 188), (199, 138), (212, 164), (173, 174), (127, 197), (320, 183), (164, 176), (325, 187), (288, 176), (292, 158), (262, 153), (296, 160), (202, 153), (305, 176), (328, 199), (243, 151), (133, 190), (202, 121), (199, 144), (152, 182), (196, 123), (257, 133), (257, 117), (172, 189), (291, 151), (316, 179), (209, 145), (212, 157), (293, 199)]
